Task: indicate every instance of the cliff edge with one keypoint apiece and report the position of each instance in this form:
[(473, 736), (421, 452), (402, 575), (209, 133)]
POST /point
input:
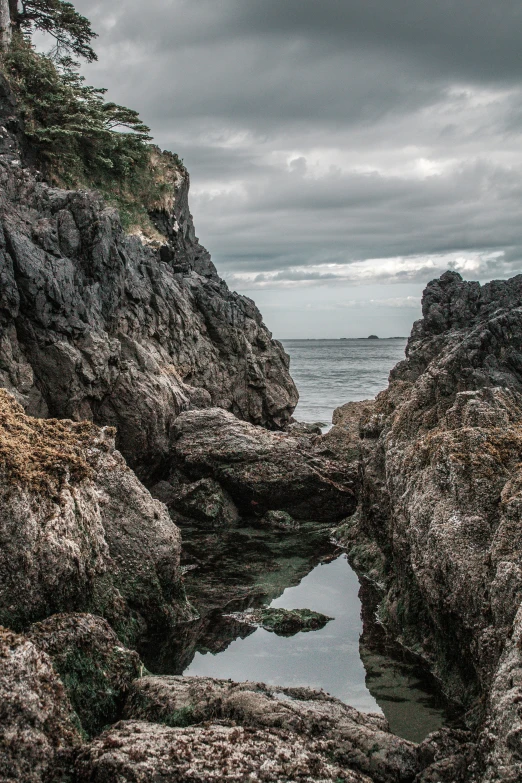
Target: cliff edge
[(98, 324)]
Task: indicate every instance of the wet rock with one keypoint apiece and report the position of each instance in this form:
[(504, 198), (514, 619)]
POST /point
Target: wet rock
[(139, 752), (359, 742), (263, 470), (440, 515), (94, 667), (38, 733), (78, 530), (204, 502), (283, 622), (278, 520)]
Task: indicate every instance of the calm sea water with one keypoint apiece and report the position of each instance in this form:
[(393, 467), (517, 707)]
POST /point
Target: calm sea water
[(329, 373)]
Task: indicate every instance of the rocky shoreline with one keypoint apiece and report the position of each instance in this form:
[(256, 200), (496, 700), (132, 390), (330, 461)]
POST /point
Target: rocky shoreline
[(142, 404)]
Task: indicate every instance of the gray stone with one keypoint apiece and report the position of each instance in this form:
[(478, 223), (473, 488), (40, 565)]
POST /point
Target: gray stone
[(263, 470)]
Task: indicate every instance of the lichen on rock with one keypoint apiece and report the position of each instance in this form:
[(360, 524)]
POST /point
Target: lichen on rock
[(79, 532), (38, 731)]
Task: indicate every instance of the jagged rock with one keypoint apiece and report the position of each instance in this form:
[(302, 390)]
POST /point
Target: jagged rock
[(440, 515), (205, 502), (78, 531), (139, 752), (38, 733), (94, 667), (263, 470), (283, 622), (94, 324), (279, 520), (357, 741)]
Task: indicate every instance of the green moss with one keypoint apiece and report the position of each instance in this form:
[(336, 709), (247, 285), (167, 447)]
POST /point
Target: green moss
[(91, 685)]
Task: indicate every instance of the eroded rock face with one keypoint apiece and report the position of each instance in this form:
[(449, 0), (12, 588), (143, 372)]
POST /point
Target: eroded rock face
[(78, 530), (94, 324), (94, 667), (263, 470), (38, 734), (439, 527)]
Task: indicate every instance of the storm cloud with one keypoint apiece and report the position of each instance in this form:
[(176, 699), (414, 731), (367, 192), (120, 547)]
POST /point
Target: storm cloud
[(334, 146)]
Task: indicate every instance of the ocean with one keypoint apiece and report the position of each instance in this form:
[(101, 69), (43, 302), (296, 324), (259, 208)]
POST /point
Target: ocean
[(329, 373)]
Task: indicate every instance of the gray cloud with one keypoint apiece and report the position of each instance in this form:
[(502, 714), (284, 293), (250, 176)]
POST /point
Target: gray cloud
[(324, 137)]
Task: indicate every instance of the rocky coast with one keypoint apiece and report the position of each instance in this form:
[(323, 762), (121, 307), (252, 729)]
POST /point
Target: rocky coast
[(146, 430)]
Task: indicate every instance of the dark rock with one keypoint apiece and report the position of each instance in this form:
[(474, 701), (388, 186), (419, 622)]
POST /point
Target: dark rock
[(96, 324), (205, 502), (38, 731), (279, 520), (263, 470), (94, 667), (283, 622)]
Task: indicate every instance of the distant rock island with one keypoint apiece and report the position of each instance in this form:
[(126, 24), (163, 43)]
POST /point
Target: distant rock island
[(372, 337)]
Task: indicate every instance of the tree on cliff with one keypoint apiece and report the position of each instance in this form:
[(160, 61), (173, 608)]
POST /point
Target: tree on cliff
[(71, 31)]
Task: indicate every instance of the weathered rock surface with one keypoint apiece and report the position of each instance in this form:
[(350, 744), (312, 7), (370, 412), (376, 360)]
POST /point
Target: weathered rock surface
[(78, 531), (283, 622), (38, 734), (439, 527), (205, 503), (263, 470), (96, 325), (94, 667), (140, 752), (354, 741)]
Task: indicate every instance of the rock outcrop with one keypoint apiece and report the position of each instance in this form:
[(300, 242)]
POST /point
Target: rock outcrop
[(38, 732), (263, 470), (78, 531), (439, 528), (95, 324)]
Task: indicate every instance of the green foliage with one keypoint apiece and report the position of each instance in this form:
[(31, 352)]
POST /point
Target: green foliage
[(79, 139), (71, 31), (75, 133)]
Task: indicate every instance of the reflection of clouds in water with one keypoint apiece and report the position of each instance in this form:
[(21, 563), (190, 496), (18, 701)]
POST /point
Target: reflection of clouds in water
[(328, 658)]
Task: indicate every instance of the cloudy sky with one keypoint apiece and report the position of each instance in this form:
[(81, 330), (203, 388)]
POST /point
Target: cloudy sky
[(342, 152)]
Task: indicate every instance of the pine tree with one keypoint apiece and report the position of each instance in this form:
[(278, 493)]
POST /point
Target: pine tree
[(71, 31)]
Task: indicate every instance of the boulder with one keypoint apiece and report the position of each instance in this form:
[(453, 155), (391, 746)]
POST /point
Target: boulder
[(263, 470), (278, 520), (94, 667), (78, 530), (38, 730), (206, 504)]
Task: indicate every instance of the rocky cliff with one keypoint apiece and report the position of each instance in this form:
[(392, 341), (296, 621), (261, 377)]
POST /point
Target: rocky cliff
[(439, 526), (96, 324)]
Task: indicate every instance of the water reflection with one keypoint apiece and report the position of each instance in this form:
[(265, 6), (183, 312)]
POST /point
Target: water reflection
[(331, 657)]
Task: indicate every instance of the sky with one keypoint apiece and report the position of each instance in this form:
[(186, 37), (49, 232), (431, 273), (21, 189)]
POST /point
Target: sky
[(342, 153)]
